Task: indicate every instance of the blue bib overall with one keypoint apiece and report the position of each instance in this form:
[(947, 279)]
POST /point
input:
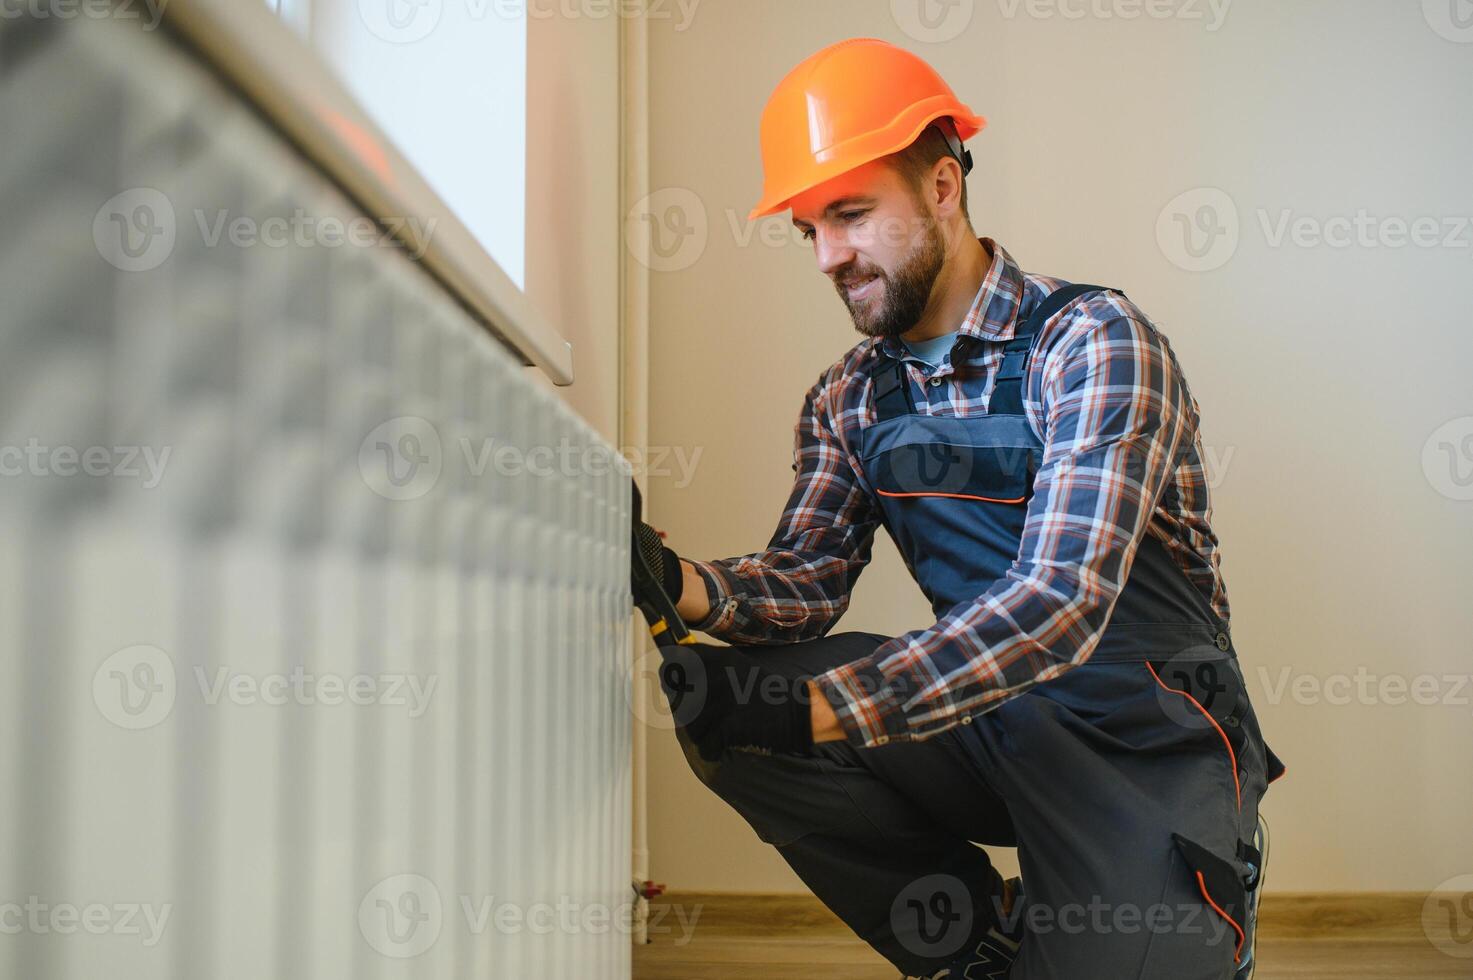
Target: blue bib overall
[(1150, 748), (954, 492)]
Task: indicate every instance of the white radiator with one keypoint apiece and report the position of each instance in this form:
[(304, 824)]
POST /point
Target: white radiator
[(314, 612)]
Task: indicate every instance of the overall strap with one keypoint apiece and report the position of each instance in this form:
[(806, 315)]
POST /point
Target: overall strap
[(1007, 393), (892, 391)]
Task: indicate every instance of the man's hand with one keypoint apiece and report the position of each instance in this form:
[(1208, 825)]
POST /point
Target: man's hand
[(725, 699), (826, 727)]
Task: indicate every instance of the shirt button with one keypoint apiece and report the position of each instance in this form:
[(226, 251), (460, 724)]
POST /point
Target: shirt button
[(1223, 642), (967, 720), (882, 739), (935, 382)]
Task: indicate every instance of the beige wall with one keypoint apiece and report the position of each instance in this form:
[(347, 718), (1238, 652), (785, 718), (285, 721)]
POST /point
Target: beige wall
[(1322, 372), (573, 226)]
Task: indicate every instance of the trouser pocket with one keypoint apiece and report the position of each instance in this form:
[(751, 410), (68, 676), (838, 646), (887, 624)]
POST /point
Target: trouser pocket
[(1196, 929)]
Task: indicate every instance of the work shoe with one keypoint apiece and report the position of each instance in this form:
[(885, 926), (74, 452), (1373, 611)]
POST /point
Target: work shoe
[(1247, 960)]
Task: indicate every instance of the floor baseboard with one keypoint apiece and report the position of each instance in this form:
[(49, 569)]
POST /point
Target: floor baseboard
[(1390, 916)]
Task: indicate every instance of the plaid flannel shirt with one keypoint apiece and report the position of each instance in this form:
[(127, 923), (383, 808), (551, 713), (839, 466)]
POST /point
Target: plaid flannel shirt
[(1122, 459)]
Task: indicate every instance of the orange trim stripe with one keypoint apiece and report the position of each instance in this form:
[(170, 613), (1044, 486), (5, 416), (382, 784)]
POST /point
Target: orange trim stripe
[(958, 496), (1238, 950), (1232, 756)]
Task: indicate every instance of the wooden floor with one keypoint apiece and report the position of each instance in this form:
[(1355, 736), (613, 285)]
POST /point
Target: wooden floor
[(752, 937)]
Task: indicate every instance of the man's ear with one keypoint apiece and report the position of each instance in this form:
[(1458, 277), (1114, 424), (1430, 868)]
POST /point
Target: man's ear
[(945, 188)]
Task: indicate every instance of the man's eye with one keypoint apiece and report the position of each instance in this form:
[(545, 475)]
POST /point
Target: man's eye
[(808, 234), (852, 215)]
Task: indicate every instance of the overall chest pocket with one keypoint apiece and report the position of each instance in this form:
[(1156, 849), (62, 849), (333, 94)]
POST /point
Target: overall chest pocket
[(955, 469)]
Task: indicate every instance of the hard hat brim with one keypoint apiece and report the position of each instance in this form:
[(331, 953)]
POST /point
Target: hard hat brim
[(869, 147)]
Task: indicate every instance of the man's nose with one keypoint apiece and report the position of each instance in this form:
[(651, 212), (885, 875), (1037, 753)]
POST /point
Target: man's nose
[(832, 252)]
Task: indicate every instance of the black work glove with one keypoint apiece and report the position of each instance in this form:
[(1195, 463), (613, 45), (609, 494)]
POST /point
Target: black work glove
[(662, 561), (725, 699)]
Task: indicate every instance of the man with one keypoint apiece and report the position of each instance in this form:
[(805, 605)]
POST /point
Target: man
[(1033, 449)]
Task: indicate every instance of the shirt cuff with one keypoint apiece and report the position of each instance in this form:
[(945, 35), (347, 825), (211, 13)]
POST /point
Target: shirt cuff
[(870, 706), (722, 615)]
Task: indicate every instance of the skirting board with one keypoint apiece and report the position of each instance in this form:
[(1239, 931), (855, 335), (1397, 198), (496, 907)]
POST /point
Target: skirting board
[(1389, 916)]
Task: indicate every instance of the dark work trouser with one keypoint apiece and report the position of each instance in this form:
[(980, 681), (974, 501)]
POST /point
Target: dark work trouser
[(1115, 786)]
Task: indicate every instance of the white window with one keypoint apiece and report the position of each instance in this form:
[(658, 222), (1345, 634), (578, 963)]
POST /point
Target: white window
[(446, 80)]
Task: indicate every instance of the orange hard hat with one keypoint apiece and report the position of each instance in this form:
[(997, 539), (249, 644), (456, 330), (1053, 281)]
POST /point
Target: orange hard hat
[(849, 104)]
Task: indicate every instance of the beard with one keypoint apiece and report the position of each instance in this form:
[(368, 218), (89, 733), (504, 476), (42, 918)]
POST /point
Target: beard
[(903, 295)]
